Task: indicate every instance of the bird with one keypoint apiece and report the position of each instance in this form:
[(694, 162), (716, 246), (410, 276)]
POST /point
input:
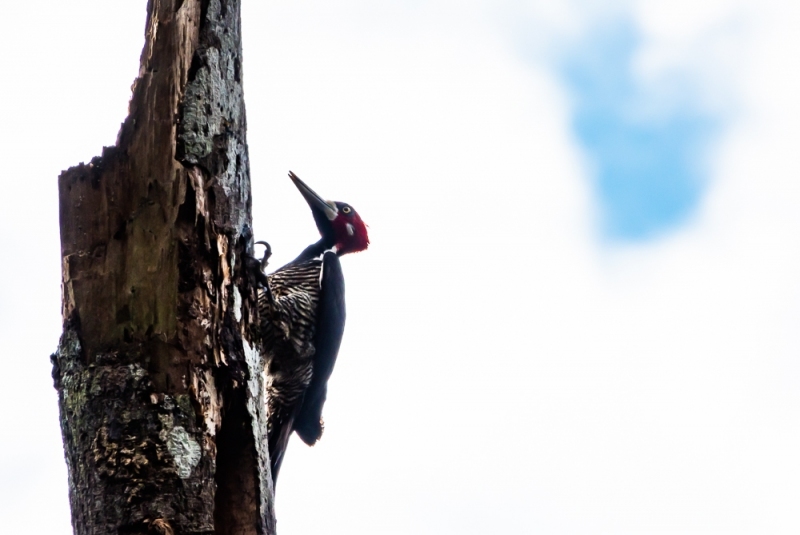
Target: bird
[(302, 316)]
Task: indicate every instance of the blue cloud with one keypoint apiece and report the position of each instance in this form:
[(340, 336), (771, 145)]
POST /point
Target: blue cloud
[(647, 167)]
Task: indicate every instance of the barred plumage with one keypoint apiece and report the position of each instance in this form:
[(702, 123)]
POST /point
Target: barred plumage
[(288, 325)]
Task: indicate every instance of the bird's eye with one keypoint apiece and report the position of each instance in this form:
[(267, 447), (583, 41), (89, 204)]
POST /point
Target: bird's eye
[(346, 210)]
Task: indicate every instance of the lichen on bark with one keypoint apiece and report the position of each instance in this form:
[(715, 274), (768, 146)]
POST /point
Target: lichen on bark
[(117, 435), (160, 393)]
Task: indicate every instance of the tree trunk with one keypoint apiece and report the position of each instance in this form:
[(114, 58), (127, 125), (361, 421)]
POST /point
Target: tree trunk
[(160, 390)]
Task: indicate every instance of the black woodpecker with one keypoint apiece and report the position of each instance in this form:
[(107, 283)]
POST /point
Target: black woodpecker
[(302, 313)]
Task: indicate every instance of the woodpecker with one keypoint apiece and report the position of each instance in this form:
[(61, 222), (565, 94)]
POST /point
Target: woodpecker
[(302, 314)]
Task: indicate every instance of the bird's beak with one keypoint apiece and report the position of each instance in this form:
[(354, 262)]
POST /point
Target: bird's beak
[(314, 200)]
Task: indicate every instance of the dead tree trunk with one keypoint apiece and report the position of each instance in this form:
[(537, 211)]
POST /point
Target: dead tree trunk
[(160, 389)]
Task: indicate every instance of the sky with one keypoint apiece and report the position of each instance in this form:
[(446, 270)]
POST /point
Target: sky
[(579, 310)]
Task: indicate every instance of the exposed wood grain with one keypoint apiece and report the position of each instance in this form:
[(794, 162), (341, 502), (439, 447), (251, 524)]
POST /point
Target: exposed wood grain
[(159, 391)]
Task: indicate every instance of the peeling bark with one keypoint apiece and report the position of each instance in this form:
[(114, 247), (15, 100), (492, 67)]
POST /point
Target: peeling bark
[(161, 395)]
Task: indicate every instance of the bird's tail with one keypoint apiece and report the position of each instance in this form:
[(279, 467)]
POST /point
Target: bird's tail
[(278, 438)]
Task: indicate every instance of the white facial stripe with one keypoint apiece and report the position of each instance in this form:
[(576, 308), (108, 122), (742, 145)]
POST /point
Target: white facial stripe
[(350, 229)]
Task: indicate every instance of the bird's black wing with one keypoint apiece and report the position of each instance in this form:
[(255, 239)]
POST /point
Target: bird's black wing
[(328, 338)]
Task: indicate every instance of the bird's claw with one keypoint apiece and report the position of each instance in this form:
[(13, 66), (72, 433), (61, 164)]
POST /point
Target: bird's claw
[(267, 254)]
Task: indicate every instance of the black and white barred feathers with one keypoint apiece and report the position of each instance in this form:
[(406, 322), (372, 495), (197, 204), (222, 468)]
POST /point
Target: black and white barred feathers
[(288, 324), (297, 369)]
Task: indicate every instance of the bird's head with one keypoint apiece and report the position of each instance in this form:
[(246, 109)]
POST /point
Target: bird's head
[(338, 222)]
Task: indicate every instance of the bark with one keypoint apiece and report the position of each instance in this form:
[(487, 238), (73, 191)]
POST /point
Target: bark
[(160, 390)]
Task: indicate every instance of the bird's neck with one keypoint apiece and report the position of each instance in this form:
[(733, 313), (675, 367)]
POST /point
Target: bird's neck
[(314, 250)]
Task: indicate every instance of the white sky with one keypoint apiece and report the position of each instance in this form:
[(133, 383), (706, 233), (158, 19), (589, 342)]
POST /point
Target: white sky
[(504, 369)]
